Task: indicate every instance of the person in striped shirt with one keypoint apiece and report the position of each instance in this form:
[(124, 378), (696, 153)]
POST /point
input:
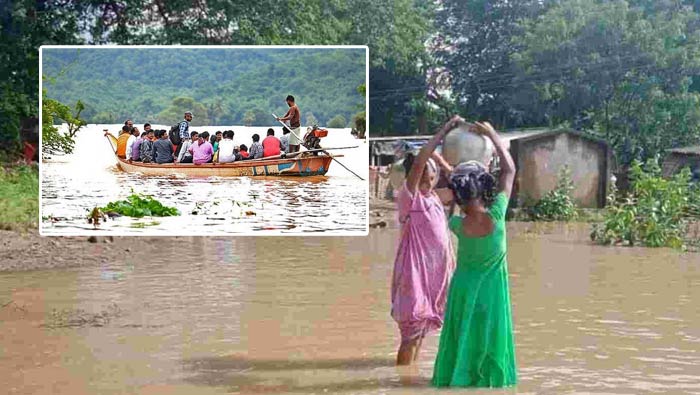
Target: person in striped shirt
[(184, 132)]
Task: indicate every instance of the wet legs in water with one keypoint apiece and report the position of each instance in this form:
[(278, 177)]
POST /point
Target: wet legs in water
[(408, 351)]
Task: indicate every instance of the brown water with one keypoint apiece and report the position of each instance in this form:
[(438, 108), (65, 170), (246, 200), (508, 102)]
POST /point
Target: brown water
[(311, 316), (333, 204)]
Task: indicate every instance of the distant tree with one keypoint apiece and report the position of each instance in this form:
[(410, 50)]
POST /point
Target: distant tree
[(53, 111), (311, 119), (175, 112), (249, 118), (337, 122)]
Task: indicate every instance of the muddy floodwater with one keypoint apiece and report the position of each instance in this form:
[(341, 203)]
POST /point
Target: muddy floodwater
[(311, 316), (336, 203)]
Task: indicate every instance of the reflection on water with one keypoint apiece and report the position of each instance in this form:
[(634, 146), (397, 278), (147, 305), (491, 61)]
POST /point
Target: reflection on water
[(311, 315), (334, 203)]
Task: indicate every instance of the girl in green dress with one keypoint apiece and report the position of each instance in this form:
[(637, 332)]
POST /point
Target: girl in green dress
[(476, 344)]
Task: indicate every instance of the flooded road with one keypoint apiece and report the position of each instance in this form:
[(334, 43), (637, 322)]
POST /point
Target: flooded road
[(311, 315), (333, 204)]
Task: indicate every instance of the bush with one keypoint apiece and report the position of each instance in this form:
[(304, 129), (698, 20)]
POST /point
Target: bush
[(557, 204), (337, 122), (655, 213), (19, 197)]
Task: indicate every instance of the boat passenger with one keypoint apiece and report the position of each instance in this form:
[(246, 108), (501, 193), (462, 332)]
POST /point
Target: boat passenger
[(131, 141), (243, 152), (256, 149), (124, 136), (226, 148), (162, 148), (147, 146), (202, 151), (185, 155), (271, 144), (284, 140)]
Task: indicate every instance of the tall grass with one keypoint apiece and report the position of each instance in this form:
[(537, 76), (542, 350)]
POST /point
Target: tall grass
[(19, 197)]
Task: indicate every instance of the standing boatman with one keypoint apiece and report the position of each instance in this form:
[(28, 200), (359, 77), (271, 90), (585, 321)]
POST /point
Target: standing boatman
[(184, 132), (294, 118)]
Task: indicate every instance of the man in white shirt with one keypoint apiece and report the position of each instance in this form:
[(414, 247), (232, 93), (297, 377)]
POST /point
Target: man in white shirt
[(227, 152), (185, 156), (134, 135)]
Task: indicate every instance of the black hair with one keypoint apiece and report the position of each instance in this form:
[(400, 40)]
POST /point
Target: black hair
[(212, 139), (146, 124), (228, 134), (243, 147), (219, 132), (125, 129), (256, 138), (290, 98), (204, 135), (150, 131), (271, 132), (157, 133), (474, 184), (193, 133)]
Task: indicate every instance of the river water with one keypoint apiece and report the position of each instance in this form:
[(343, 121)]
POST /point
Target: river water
[(336, 203), (311, 316)]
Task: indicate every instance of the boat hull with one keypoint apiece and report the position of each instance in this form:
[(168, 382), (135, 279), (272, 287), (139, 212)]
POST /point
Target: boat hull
[(302, 167)]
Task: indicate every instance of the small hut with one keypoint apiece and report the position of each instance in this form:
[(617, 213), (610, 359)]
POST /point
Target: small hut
[(539, 155), (678, 158)]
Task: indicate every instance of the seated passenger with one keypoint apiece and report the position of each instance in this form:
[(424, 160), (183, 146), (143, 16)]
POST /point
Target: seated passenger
[(185, 155), (256, 149), (146, 154), (202, 151), (226, 148), (271, 144), (162, 148)]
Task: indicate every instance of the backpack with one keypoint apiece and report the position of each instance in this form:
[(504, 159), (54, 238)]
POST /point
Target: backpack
[(174, 134)]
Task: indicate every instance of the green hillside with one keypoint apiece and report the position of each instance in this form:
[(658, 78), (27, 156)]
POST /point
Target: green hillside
[(219, 85)]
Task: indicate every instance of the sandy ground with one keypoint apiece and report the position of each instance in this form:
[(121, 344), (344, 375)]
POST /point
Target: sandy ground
[(29, 251)]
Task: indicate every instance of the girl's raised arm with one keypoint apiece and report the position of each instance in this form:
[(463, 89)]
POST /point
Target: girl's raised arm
[(505, 183)]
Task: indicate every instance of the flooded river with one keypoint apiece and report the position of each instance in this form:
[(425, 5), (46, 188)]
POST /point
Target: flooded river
[(311, 316), (333, 204)]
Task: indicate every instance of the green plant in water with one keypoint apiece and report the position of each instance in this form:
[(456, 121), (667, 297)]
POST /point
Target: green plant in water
[(654, 214), (557, 204), (140, 206)]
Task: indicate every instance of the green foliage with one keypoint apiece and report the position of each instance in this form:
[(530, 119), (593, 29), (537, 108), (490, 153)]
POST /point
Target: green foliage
[(360, 122), (19, 203), (54, 141), (178, 108), (654, 214), (24, 29), (557, 204), (140, 206), (337, 121), (249, 118), (218, 86), (622, 68), (311, 119)]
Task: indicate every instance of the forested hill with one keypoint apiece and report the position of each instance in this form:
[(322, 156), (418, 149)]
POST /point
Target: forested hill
[(220, 86)]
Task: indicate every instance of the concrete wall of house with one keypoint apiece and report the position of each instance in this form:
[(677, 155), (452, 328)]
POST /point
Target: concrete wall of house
[(539, 161)]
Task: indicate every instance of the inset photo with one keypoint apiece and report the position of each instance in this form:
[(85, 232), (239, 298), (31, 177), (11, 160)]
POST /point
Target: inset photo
[(203, 140)]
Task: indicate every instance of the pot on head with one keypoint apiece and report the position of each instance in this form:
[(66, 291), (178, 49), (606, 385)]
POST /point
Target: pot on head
[(462, 145)]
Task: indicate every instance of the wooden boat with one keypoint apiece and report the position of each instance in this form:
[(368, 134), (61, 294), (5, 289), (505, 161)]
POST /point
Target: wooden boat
[(303, 164)]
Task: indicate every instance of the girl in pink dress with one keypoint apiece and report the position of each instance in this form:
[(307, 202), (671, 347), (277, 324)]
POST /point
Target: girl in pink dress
[(425, 259)]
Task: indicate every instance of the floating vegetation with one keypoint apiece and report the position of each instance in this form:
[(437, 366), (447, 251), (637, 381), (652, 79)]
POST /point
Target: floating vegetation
[(78, 318), (141, 225), (222, 209), (139, 206)]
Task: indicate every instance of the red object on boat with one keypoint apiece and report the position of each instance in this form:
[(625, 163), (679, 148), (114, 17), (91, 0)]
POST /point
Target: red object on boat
[(320, 132)]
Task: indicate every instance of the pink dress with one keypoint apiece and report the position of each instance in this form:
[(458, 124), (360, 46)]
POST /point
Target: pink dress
[(424, 265)]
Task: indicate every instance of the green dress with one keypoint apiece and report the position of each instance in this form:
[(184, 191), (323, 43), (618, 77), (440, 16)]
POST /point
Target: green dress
[(476, 344)]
